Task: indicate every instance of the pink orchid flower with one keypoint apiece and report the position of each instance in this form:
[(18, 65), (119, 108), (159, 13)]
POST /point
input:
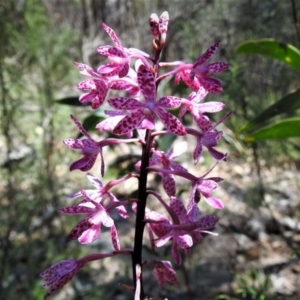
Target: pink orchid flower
[(97, 204), (101, 193), (60, 274), (163, 272), (99, 85), (63, 271), (184, 228), (143, 113), (89, 229), (159, 25), (118, 56), (90, 148), (200, 186), (166, 161), (209, 139), (197, 109), (198, 74)]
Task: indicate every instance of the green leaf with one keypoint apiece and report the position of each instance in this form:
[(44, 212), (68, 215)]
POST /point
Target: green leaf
[(280, 130), (288, 103), (73, 101), (272, 48)]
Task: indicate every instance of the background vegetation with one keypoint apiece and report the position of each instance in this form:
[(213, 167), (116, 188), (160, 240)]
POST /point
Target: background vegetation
[(40, 40)]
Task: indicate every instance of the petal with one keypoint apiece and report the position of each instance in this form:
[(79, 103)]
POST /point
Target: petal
[(148, 122), (218, 67), (163, 240), (179, 209), (210, 107), (169, 184), (58, 270), (129, 122), (115, 238), (169, 102), (124, 70), (101, 217), (110, 123), (146, 83), (125, 103), (84, 164), (192, 83), (109, 70), (202, 121), (198, 151), (81, 227), (90, 235), (207, 186), (76, 210), (171, 122), (216, 154), (200, 95), (163, 22), (185, 242), (86, 85), (112, 34), (118, 52), (151, 236), (153, 22), (86, 70), (103, 50), (175, 254), (58, 284), (73, 143), (99, 99), (95, 181), (85, 98), (214, 202), (193, 213), (207, 54), (207, 222), (213, 85)]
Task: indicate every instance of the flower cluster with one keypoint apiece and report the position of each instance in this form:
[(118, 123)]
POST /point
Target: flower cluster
[(138, 117)]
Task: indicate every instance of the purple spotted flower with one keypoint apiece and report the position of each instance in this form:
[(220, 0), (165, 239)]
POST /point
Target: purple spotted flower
[(97, 86), (63, 271), (118, 56), (208, 139), (197, 109), (184, 228), (163, 272), (96, 204), (200, 186), (198, 74), (204, 73), (89, 229), (166, 161), (142, 114), (90, 149), (159, 25), (60, 274)]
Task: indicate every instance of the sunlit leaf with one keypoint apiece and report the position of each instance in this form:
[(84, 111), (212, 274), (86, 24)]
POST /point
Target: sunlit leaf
[(280, 130), (272, 48), (287, 104)]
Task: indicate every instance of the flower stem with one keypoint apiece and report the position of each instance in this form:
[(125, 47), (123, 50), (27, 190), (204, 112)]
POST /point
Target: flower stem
[(141, 206)]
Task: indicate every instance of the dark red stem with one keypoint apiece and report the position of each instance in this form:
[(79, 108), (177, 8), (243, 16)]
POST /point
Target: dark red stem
[(141, 206)]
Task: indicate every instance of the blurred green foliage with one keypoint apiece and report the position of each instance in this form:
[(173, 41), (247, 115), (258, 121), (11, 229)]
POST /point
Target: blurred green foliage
[(40, 40)]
